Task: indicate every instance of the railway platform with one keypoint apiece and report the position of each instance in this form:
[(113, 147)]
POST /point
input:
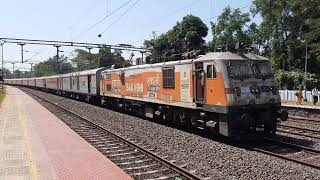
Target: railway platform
[(300, 106), (35, 144)]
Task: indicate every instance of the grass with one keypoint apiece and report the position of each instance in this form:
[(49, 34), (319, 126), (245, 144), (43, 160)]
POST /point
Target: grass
[(303, 103), (2, 94)]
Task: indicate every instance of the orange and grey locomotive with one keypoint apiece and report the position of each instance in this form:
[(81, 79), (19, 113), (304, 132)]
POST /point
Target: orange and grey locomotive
[(228, 93)]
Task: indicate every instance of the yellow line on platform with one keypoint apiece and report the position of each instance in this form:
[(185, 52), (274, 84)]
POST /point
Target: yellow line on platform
[(33, 166)]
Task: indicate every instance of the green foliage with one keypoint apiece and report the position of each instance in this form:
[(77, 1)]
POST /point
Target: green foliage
[(312, 36), (107, 58), (104, 58), (294, 80), (230, 28), (284, 25), (85, 60), (2, 94), (53, 66), (184, 37)]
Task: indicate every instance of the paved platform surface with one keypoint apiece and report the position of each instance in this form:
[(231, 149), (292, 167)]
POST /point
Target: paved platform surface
[(301, 106), (35, 144)]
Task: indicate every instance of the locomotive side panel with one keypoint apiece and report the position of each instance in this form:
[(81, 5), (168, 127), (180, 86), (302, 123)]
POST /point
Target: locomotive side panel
[(171, 85)]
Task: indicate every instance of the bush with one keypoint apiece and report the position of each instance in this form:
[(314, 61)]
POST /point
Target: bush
[(293, 80)]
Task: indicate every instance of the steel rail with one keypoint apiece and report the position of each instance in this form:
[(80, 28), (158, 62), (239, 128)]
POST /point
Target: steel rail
[(169, 164), (299, 128), (303, 119), (294, 146), (310, 133)]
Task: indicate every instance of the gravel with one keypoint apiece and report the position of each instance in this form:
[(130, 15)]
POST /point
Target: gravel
[(210, 156), (305, 141), (307, 113)]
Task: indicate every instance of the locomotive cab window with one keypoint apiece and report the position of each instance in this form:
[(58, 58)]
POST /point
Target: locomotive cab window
[(168, 77), (211, 72)]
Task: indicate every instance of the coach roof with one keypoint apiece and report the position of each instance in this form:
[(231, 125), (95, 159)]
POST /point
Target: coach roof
[(79, 73)]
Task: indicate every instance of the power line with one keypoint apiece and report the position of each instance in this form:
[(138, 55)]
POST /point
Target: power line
[(173, 12), (183, 8), (219, 15), (101, 20), (119, 17)]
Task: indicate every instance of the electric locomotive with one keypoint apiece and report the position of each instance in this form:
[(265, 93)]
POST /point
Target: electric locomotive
[(228, 93)]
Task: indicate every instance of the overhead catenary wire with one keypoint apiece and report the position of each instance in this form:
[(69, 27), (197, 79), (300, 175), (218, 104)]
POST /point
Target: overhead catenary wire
[(101, 20), (50, 51), (219, 15), (120, 17), (169, 14)]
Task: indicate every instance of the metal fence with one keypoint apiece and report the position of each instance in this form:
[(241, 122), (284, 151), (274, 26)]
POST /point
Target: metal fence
[(289, 95)]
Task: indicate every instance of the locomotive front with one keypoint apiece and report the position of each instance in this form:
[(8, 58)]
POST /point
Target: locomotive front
[(253, 98)]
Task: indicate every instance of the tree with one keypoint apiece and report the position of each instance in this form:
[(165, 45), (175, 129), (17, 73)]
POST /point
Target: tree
[(6, 73), (283, 22), (230, 28), (85, 60), (312, 36), (186, 36), (104, 58), (107, 58), (52, 66)]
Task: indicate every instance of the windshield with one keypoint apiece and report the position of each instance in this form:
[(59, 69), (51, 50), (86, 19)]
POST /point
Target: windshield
[(262, 69), (244, 69)]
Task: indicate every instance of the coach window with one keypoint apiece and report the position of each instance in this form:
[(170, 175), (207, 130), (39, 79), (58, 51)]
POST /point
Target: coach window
[(168, 77), (211, 72)]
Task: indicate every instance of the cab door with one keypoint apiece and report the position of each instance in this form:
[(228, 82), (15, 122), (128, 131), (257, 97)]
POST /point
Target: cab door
[(214, 90), (199, 83)]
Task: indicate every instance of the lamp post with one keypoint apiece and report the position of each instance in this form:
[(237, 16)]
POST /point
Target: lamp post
[(31, 69), (21, 44), (2, 62), (305, 73), (2, 69), (13, 68), (305, 28), (2, 66)]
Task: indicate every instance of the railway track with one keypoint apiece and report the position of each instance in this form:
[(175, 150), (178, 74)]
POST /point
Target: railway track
[(299, 131), (290, 152), (137, 160), (141, 162), (304, 120)]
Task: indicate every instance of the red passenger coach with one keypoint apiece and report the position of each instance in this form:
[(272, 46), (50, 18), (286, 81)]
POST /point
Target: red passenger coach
[(51, 83)]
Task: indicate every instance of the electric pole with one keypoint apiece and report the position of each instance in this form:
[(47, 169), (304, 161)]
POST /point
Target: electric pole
[(13, 69), (31, 69)]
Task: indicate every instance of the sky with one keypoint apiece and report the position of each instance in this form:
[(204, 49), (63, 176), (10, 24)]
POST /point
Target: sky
[(74, 20)]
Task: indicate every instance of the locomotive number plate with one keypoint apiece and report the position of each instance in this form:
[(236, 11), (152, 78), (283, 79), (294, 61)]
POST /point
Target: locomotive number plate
[(259, 129)]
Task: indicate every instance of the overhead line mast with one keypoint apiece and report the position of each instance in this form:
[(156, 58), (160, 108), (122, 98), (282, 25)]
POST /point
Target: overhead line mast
[(58, 44)]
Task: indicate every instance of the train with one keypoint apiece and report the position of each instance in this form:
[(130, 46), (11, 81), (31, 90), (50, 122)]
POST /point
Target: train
[(227, 93)]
